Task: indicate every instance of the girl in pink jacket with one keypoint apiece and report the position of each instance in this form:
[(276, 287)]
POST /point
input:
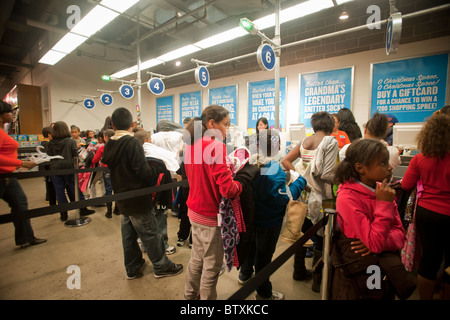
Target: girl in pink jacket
[(370, 224), (365, 202)]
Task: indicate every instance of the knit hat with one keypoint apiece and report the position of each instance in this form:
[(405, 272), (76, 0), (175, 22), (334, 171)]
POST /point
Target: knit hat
[(392, 119)]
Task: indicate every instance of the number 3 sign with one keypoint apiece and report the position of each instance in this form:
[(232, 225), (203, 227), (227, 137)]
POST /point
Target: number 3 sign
[(266, 57), (126, 91)]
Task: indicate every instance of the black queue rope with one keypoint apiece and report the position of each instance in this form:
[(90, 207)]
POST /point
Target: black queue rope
[(241, 294), (38, 212)]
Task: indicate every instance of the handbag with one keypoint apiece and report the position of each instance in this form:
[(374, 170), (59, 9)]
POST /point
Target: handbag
[(410, 250), (295, 217)]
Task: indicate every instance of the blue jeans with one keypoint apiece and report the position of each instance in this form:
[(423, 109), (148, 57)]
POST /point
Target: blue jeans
[(144, 227), (108, 184), (260, 255), (161, 218), (60, 183), (12, 193)]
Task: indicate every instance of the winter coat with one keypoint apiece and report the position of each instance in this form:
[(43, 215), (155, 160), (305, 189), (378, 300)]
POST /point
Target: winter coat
[(320, 174), (124, 156), (360, 215), (270, 194), (65, 147)]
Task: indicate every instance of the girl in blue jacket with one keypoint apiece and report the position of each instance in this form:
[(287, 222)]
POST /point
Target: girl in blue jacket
[(271, 199)]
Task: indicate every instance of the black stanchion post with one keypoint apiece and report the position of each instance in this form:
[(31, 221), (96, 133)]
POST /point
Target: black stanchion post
[(328, 235), (79, 220)]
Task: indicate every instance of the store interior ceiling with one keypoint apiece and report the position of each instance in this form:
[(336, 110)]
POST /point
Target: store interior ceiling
[(27, 26)]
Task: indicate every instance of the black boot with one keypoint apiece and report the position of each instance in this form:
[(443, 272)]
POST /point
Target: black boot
[(109, 210), (116, 210), (86, 212), (300, 272)]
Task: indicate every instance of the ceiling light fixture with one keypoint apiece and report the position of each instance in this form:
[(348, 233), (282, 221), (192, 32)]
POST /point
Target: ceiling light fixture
[(94, 20), (344, 16), (288, 14), (178, 63)]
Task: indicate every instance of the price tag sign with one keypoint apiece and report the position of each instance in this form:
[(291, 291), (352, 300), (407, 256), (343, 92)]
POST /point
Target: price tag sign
[(202, 76), (106, 99), (89, 103), (393, 33), (266, 57), (155, 85), (126, 91)]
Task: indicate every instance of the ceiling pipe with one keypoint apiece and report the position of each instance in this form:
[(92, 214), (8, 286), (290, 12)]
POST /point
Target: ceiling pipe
[(174, 21)]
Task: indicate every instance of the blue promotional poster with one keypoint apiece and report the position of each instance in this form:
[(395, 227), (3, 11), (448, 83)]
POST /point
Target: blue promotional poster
[(261, 103), (190, 105), (327, 91), (410, 89), (227, 98), (164, 108)]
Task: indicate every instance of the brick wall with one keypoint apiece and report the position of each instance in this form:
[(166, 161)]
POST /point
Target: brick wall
[(413, 29)]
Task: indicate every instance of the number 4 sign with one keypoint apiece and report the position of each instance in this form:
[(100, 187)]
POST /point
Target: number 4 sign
[(156, 86)]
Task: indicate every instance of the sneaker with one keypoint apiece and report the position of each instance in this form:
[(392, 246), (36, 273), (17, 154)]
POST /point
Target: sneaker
[(180, 242), (172, 271), (170, 250), (243, 279), (138, 272), (275, 296)]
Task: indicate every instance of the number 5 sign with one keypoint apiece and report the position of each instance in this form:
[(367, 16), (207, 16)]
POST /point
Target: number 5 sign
[(266, 57), (202, 76), (155, 85)]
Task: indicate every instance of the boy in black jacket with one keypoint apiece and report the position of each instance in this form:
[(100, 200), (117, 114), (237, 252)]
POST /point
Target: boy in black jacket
[(124, 156)]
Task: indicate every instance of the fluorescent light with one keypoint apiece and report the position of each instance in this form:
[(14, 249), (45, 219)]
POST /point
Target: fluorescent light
[(119, 5), (150, 63), (69, 42), (294, 12), (339, 2), (221, 38), (184, 51), (52, 57), (125, 72), (96, 19)]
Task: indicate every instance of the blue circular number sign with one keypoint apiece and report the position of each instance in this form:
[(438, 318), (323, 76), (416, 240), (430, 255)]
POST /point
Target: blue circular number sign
[(202, 76), (89, 103), (126, 91), (106, 99), (155, 85), (266, 57)]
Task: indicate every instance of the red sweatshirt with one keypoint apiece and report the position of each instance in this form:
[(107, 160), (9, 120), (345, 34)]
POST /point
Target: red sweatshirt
[(360, 215), (209, 179), (98, 156), (8, 153), (435, 174)]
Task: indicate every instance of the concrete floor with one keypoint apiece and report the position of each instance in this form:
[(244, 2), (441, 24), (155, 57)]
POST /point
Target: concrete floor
[(40, 272)]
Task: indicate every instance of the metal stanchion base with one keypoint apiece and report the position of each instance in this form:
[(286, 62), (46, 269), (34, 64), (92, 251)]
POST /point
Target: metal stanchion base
[(77, 222)]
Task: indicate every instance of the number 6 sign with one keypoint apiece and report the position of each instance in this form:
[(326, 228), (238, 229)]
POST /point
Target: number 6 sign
[(266, 57)]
